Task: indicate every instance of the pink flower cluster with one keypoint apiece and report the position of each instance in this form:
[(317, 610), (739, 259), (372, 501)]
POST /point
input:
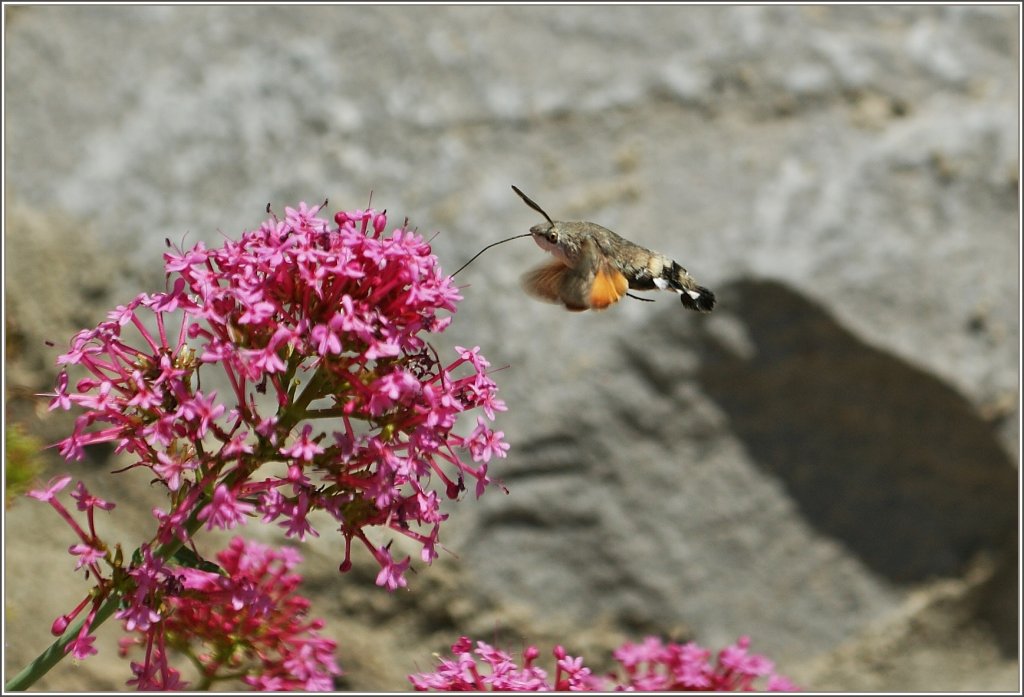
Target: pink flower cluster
[(334, 401), (318, 332), (656, 666), (462, 673), (245, 618), (650, 666)]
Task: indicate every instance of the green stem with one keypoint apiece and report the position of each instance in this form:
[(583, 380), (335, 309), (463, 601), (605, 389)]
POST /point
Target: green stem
[(333, 413), (296, 411)]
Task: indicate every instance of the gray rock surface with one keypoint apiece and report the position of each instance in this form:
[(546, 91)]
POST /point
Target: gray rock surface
[(828, 462)]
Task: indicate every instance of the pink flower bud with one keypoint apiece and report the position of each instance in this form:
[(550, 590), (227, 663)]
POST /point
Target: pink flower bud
[(60, 625)]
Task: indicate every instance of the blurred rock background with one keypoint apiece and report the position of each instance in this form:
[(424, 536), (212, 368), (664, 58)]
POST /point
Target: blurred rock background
[(827, 463)]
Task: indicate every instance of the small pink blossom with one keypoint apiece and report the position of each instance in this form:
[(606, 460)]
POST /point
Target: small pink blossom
[(55, 486), (87, 554), (86, 501), (224, 511), (61, 398), (485, 443), (82, 647), (391, 574), (171, 469), (304, 448), (203, 410)]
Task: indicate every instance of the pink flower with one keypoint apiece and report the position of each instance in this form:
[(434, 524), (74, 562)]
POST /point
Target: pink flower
[(87, 555), (149, 576), (61, 398), (53, 488), (577, 676), (82, 647), (780, 683), (224, 510), (304, 448), (202, 410), (86, 501), (398, 386), (327, 340), (485, 443), (171, 469), (391, 573)]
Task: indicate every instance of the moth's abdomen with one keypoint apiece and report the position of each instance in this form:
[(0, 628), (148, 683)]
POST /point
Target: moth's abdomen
[(700, 299), (691, 294), (645, 269), (662, 273)]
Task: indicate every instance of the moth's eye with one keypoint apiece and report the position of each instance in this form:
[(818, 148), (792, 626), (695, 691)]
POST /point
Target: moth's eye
[(552, 236)]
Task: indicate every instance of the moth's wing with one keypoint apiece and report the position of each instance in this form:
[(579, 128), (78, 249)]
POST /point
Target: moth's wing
[(593, 283), (555, 282), (545, 281), (604, 284), (608, 287)]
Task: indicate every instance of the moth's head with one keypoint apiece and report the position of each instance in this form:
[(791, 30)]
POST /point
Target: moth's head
[(546, 236)]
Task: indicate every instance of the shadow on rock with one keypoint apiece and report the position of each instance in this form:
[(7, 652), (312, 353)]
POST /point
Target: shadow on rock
[(877, 453)]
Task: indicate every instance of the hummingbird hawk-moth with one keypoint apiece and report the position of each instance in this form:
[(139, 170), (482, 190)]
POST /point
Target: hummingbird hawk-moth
[(594, 268)]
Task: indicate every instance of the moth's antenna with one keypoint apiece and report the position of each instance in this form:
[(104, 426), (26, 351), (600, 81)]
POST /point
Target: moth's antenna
[(532, 204), (493, 244)]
